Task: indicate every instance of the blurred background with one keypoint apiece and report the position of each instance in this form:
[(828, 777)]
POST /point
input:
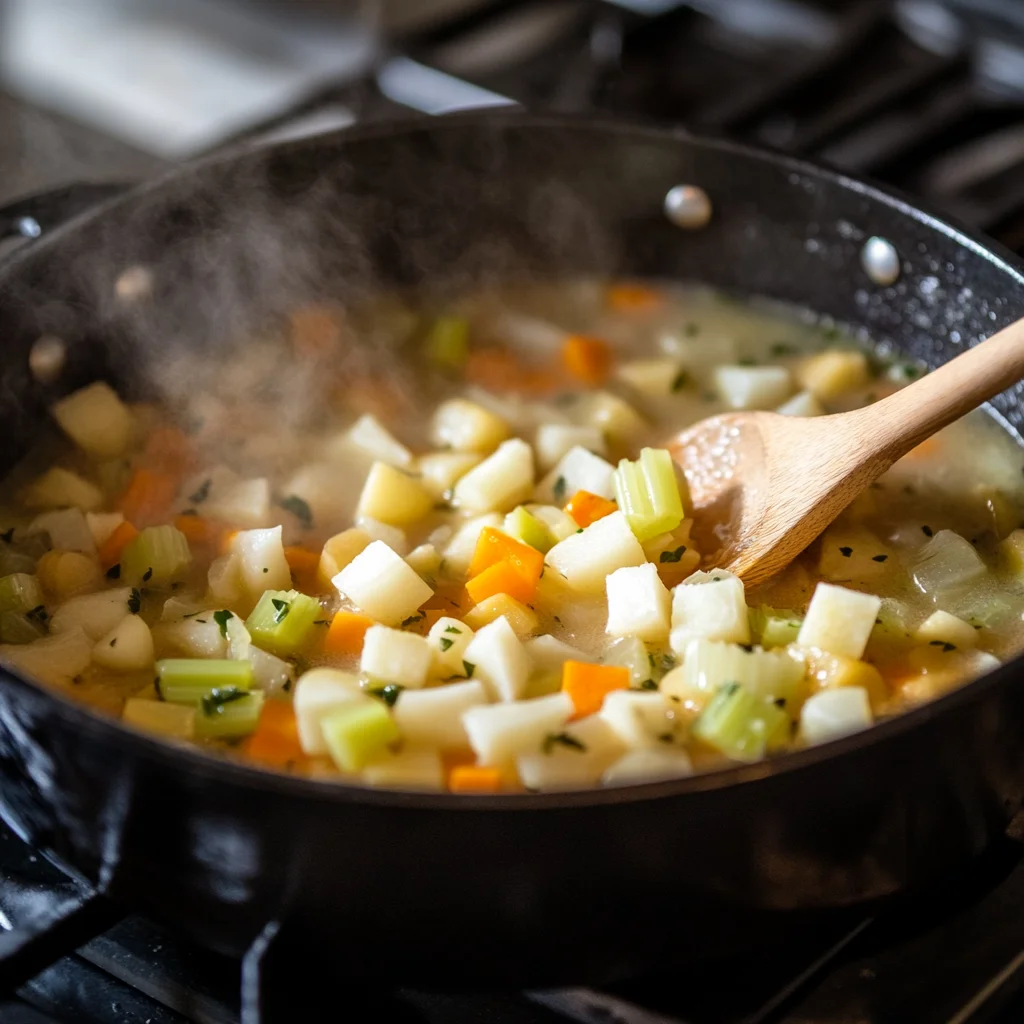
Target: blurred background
[(927, 95)]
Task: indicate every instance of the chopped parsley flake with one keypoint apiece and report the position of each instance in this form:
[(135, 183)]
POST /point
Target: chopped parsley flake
[(561, 486), (879, 558), (201, 494), (679, 381), (389, 694), (298, 508), (927, 531), (782, 348), (565, 740), (846, 552), (281, 609), (147, 575), (213, 703), (452, 629), (691, 330), (672, 556), (222, 618), (946, 647), (413, 619), (135, 601), (114, 572), (469, 668), (445, 642)]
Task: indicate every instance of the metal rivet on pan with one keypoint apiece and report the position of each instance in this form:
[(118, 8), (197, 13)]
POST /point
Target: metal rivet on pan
[(880, 260), (29, 227), (688, 206), (46, 358), (134, 283)]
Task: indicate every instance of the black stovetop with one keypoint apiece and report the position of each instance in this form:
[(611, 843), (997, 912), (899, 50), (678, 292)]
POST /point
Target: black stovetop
[(927, 96)]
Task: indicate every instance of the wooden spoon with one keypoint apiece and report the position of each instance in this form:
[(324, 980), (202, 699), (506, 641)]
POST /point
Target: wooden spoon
[(764, 486)]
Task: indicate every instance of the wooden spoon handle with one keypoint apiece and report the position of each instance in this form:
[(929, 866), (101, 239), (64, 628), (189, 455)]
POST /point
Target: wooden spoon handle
[(896, 424)]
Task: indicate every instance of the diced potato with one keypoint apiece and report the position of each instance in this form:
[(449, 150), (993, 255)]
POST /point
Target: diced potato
[(317, 693), (459, 552), (942, 628), (827, 671), (559, 522), (801, 404), (554, 440), (639, 719), (66, 573), (653, 765), (839, 620), (171, 721), (617, 420), (657, 377), (53, 659), (380, 583), (391, 656), (467, 427), (392, 496), (500, 482), (943, 669), (394, 537), (854, 556), (525, 526), (128, 647), (638, 603), (425, 559), (199, 636), (753, 387), (550, 654), (449, 639), (67, 528), (102, 525), (631, 653), (434, 716), (339, 550), (578, 470), (60, 488), (522, 619), (586, 558), (828, 375), (498, 732), (224, 580), (96, 420), (262, 562), (499, 661), (440, 471), (832, 714), (575, 758), (95, 614), (417, 768), (244, 504), (709, 606), (270, 673), (369, 436)]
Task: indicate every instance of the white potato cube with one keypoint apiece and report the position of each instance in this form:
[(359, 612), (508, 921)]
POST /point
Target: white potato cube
[(498, 732), (638, 603), (459, 552), (373, 439), (340, 549), (522, 619), (317, 693), (440, 471), (617, 420), (95, 614), (392, 496), (801, 404), (554, 440), (425, 559), (316, 483), (830, 714), (269, 673), (67, 528), (96, 420), (467, 427), (942, 628), (394, 537), (502, 481), (433, 716), (128, 647), (550, 654), (652, 765), (560, 523), (103, 524), (262, 562), (380, 583), (171, 721), (586, 559), (839, 620), (196, 637), (417, 768), (659, 377), (828, 374), (60, 488), (499, 660), (224, 580), (639, 718), (573, 759), (245, 503), (578, 470), (709, 606), (391, 656), (753, 387)]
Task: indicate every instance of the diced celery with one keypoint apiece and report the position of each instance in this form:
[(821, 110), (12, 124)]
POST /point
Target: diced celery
[(447, 343), (228, 714), (741, 725), (774, 627), (525, 526), (648, 493), (282, 620), (20, 592), (159, 555), (355, 734), (188, 680), (175, 721), (19, 628)]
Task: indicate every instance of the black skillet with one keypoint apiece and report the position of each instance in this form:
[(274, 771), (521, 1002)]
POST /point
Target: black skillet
[(519, 889)]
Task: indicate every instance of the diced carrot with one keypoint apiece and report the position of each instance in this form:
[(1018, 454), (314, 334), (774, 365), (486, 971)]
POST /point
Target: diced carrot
[(632, 298), (168, 450), (587, 359), (346, 633), (495, 546), (199, 531), (275, 742), (587, 508), (471, 778), (315, 330), (111, 548), (148, 497), (588, 685), (501, 578), (492, 368), (305, 565)]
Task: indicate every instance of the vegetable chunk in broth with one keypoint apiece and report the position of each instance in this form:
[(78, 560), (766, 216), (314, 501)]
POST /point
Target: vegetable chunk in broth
[(449, 553)]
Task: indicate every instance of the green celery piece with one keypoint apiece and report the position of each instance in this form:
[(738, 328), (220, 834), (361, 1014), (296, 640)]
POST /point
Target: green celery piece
[(741, 725), (188, 680), (647, 492), (356, 733), (447, 342), (775, 627), (218, 718), (525, 526), (158, 556), (20, 592), (282, 620), (19, 628)]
